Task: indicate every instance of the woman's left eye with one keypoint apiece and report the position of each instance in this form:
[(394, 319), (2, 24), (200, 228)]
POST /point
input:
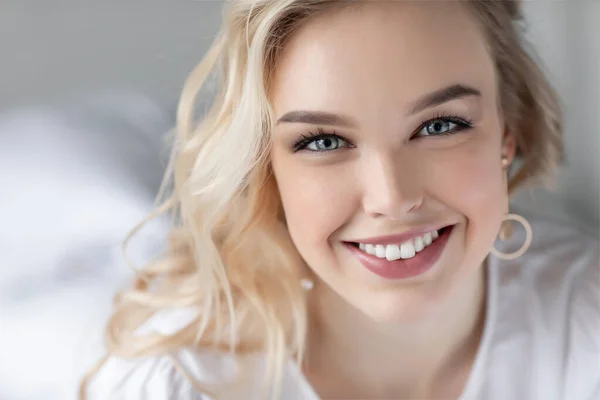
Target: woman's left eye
[(443, 126)]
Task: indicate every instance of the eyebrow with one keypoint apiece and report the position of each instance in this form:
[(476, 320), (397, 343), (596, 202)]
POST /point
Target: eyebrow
[(317, 118), (444, 95), (433, 99)]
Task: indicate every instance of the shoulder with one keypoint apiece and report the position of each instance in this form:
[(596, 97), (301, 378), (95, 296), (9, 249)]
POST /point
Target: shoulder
[(561, 259), (164, 376), (149, 378), (169, 376), (551, 296)]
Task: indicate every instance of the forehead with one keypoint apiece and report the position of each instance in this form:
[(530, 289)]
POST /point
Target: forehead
[(381, 54)]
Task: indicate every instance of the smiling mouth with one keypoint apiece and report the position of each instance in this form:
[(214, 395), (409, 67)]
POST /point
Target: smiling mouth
[(404, 260), (405, 250)]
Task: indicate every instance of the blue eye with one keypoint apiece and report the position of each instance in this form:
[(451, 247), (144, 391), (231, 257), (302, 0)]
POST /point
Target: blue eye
[(321, 142), (325, 144), (443, 126)]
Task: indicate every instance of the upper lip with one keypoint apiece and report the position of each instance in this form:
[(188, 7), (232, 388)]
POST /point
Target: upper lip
[(401, 237)]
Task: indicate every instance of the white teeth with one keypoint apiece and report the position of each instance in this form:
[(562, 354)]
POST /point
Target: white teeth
[(419, 245), (407, 250), (427, 239), (392, 252), (370, 249)]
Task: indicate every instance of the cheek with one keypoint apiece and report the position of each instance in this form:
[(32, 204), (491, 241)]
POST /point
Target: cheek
[(316, 202), (471, 183)]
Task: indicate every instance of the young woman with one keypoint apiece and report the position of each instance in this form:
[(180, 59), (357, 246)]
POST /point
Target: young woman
[(338, 212)]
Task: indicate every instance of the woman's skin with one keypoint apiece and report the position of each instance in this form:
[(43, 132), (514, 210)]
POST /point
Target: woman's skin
[(372, 65)]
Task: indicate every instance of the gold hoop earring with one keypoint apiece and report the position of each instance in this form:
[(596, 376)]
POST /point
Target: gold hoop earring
[(506, 228)]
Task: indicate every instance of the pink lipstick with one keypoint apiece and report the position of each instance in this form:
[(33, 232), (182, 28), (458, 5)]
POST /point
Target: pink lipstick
[(402, 268)]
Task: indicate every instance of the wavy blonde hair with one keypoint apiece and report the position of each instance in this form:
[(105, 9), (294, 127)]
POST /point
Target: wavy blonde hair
[(230, 253)]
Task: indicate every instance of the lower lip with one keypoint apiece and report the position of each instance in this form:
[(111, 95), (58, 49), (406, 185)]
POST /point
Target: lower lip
[(422, 262)]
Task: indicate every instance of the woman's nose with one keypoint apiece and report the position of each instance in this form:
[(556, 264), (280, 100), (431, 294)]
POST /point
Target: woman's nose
[(392, 187)]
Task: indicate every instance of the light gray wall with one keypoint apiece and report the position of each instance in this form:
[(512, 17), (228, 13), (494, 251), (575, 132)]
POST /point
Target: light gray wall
[(53, 47), (567, 37)]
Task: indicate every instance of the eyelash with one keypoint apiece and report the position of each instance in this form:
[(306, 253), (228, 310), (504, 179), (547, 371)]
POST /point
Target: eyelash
[(305, 140), (461, 124)]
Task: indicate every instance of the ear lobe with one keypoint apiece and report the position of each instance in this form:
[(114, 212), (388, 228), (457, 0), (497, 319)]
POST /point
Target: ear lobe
[(509, 146)]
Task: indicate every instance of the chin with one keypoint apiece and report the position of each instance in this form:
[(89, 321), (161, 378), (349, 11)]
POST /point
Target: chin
[(398, 306), (405, 302)]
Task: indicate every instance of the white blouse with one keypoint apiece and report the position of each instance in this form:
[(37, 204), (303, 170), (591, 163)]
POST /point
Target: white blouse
[(541, 336)]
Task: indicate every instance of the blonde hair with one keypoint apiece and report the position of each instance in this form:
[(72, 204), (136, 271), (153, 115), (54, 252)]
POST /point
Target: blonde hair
[(230, 254)]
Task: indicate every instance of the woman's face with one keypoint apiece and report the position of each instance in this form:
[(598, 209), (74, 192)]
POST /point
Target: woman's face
[(389, 128)]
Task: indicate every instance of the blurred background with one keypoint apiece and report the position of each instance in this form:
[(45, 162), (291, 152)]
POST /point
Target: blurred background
[(88, 91)]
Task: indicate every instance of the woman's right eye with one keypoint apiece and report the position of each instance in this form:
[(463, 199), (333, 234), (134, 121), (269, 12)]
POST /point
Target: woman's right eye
[(321, 142), (325, 144)]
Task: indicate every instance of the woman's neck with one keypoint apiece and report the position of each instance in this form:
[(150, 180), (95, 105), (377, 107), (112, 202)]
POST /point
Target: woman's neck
[(350, 356)]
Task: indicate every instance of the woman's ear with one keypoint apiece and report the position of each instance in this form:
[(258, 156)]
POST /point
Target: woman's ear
[(509, 146)]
